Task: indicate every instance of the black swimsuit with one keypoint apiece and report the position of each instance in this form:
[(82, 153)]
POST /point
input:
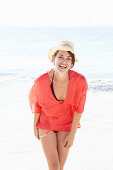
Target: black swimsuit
[(52, 88)]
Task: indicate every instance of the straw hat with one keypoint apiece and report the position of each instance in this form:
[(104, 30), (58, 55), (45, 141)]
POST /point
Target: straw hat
[(63, 45)]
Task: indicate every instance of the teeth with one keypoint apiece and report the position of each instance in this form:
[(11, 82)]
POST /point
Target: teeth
[(62, 66)]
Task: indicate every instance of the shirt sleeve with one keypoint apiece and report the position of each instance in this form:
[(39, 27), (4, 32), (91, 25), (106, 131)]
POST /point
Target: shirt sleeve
[(33, 101), (82, 101)]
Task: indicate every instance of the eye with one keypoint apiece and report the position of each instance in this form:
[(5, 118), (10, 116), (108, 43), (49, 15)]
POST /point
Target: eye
[(60, 57), (68, 59)]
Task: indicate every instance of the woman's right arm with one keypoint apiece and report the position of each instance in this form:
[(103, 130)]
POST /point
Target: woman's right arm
[(36, 131), (35, 107)]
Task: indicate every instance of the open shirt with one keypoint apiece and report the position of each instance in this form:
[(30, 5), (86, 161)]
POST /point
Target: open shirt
[(57, 115)]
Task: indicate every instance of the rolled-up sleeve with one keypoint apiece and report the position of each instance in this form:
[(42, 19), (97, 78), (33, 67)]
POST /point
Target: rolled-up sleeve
[(33, 100), (82, 101)]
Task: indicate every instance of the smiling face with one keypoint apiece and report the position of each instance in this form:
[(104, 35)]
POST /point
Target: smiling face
[(62, 61)]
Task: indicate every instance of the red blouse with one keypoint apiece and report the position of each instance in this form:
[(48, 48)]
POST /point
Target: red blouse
[(57, 115)]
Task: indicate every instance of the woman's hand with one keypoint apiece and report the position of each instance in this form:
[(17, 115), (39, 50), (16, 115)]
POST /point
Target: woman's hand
[(36, 132), (68, 142)]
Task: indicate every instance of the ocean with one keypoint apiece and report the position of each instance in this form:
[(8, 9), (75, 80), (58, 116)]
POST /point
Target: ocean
[(24, 51), (23, 57)]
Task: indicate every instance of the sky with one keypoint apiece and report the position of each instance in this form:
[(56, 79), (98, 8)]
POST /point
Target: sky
[(52, 13)]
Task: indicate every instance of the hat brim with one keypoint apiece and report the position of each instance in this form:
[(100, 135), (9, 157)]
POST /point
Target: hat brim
[(54, 49)]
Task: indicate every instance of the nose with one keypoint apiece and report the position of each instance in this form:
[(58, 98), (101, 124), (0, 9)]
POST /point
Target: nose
[(64, 60)]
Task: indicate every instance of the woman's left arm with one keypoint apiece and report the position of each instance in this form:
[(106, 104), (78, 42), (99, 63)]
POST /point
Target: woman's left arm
[(77, 115), (70, 138)]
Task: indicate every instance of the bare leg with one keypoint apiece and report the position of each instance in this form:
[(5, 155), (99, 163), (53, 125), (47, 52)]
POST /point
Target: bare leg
[(49, 144), (62, 151)]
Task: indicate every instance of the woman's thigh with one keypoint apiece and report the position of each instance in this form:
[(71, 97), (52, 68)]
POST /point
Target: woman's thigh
[(62, 151), (49, 144)]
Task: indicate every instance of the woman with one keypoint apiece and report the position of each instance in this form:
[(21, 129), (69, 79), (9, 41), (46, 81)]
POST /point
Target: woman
[(57, 100)]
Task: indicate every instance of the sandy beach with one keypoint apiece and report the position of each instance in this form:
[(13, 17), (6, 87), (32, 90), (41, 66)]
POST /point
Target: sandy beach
[(20, 150)]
